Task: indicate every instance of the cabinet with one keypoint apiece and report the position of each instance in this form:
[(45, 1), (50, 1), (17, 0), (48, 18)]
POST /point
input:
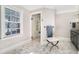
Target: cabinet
[(75, 38), (10, 21)]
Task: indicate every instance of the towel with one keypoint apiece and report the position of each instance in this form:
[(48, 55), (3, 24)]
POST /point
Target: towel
[(49, 30)]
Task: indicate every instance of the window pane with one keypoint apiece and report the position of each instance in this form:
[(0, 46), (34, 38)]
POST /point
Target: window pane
[(12, 24), (18, 30)]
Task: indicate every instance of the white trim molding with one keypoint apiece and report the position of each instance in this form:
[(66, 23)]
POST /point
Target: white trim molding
[(67, 11)]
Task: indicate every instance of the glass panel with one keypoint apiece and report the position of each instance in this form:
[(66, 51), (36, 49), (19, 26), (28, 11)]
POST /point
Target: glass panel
[(7, 11), (18, 25), (7, 17), (17, 14), (18, 30), (13, 31), (8, 32), (12, 24), (7, 24)]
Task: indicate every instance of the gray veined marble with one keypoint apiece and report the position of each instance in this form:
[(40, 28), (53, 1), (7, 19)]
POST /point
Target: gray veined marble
[(34, 47)]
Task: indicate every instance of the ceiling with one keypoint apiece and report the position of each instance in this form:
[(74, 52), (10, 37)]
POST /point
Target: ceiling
[(59, 8)]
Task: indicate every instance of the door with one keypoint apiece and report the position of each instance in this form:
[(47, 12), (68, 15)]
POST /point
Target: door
[(36, 26)]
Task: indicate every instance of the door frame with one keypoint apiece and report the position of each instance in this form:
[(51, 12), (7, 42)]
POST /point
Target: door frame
[(33, 13)]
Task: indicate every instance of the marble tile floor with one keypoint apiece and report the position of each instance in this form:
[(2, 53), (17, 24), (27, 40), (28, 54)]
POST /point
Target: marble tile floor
[(34, 47)]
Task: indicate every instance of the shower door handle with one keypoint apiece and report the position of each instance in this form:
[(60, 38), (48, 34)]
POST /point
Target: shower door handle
[(39, 32)]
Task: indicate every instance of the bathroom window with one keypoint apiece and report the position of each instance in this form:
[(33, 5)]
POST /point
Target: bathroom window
[(12, 22)]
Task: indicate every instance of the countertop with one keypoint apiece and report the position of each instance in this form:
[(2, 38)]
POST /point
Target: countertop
[(76, 31)]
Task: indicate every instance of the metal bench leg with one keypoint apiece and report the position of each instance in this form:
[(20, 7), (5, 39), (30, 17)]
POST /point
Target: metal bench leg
[(54, 45), (51, 48), (57, 43), (47, 44)]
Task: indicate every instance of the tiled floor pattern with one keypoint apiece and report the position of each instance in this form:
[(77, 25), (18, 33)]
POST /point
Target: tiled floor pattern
[(34, 47)]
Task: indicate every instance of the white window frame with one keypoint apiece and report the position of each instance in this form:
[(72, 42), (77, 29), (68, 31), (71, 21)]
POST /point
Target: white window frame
[(3, 21)]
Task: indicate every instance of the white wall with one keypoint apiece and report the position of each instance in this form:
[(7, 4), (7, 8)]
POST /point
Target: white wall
[(63, 25), (0, 21), (48, 18), (9, 42)]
